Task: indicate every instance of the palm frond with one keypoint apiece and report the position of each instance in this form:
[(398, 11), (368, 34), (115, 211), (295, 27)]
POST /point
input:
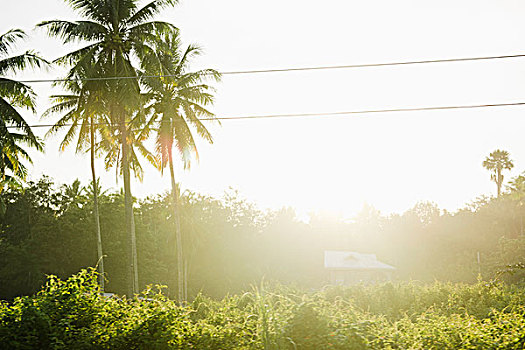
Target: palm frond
[(84, 54), (18, 94), (8, 39), (11, 117), (144, 31), (149, 11), (77, 31), (20, 62), (96, 10)]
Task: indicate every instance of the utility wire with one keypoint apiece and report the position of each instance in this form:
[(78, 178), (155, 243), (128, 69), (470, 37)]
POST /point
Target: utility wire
[(365, 65), (327, 114), (370, 111)]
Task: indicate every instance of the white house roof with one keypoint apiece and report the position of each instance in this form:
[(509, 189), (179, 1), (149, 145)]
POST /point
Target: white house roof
[(346, 260)]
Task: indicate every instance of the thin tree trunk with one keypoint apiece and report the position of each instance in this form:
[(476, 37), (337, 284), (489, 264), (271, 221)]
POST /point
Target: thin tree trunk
[(520, 209), (135, 259), (100, 257), (128, 210), (186, 279), (178, 234), (499, 181)]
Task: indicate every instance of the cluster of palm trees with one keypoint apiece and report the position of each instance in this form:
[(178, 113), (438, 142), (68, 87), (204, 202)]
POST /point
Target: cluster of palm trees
[(130, 81)]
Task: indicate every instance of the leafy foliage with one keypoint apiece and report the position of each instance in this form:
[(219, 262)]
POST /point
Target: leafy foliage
[(230, 244), (14, 130), (72, 314)]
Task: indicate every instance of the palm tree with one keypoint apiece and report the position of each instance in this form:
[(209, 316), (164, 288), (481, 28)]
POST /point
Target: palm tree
[(138, 133), (14, 130), (179, 101), (496, 162), (115, 31), (139, 129), (83, 110)]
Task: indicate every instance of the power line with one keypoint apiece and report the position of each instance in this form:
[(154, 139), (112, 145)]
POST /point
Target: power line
[(365, 65), (328, 114), (392, 110)]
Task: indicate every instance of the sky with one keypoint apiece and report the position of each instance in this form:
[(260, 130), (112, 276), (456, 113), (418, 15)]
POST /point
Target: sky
[(331, 164)]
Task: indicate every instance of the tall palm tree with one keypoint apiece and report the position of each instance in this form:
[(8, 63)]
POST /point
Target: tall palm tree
[(83, 110), (138, 133), (14, 130), (115, 31), (496, 162), (179, 100)]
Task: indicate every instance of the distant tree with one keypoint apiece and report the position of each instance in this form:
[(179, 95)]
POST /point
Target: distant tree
[(496, 162), (368, 215), (74, 194), (517, 185), (426, 212), (516, 188), (478, 203), (14, 130)]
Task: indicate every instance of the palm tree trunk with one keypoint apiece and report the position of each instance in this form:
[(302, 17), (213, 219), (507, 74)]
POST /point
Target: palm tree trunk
[(178, 234), (128, 210), (186, 279), (499, 181), (95, 209), (135, 259)]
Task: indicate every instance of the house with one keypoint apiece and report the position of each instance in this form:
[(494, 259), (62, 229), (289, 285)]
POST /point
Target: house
[(346, 268)]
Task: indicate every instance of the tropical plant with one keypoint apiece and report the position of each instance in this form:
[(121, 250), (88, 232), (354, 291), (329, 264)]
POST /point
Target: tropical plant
[(83, 111), (116, 31), (180, 99), (14, 130), (496, 162), (137, 134)]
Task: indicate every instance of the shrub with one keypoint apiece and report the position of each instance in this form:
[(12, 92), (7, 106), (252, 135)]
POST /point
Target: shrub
[(72, 314)]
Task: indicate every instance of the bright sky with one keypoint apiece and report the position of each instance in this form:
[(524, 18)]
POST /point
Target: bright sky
[(390, 161)]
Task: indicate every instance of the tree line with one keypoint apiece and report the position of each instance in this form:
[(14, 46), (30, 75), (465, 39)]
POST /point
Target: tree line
[(128, 82), (231, 245)]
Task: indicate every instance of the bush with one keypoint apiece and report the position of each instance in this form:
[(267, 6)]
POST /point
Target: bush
[(72, 314)]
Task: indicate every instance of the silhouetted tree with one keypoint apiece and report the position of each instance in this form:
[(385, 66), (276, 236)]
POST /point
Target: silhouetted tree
[(496, 162)]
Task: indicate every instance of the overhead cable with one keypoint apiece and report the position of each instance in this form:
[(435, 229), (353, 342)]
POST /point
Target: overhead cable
[(326, 114), (281, 70)]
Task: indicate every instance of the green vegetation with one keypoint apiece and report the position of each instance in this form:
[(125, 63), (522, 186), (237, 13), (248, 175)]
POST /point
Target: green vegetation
[(122, 39), (13, 95), (178, 103), (72, 315), (114, 34), (130, 84), (230, 244)]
